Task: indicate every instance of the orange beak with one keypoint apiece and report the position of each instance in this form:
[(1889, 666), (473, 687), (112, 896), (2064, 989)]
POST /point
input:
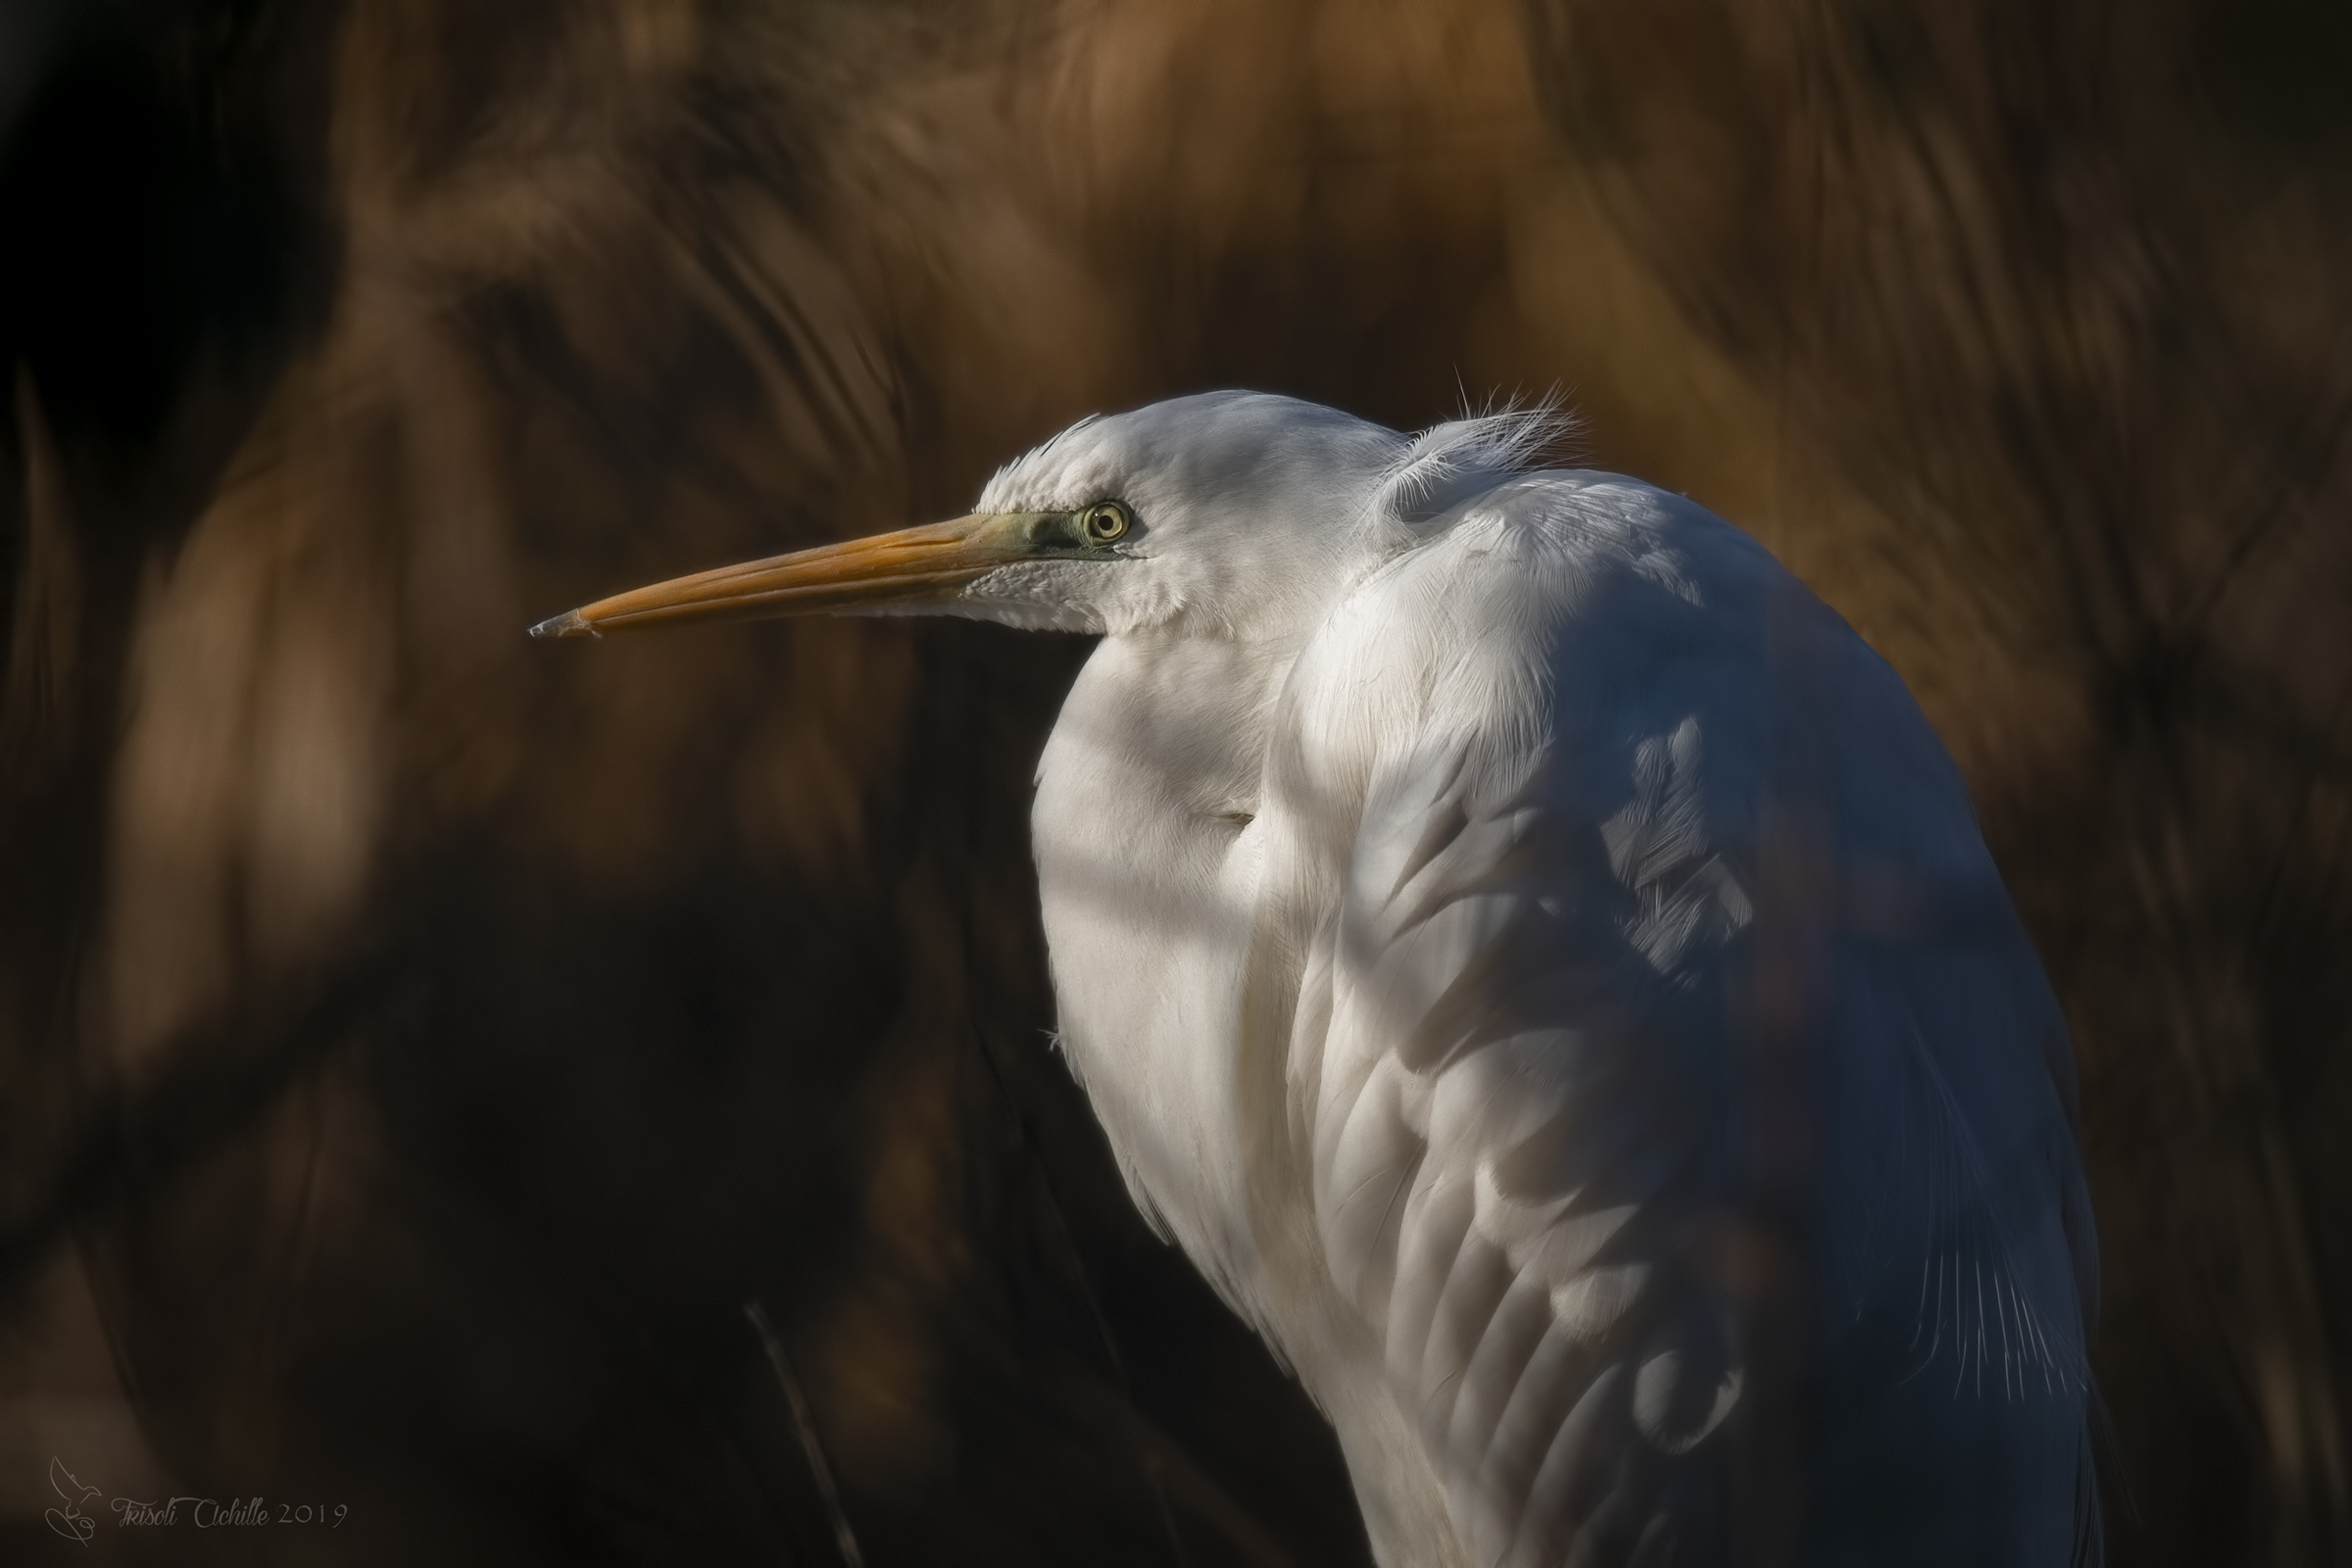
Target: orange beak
[(914, 566)]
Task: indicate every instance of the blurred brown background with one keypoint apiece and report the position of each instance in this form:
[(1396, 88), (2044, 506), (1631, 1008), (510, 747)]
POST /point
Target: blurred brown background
[(417, 1046)]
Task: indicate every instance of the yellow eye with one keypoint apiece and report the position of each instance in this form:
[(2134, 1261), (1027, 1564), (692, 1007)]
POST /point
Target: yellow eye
[(1103, 521)]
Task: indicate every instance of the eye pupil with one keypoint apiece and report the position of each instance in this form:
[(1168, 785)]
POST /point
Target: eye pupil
[(1105, 522)]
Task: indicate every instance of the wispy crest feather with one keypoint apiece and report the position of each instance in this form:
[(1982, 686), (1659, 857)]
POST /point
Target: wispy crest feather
[(1445, 460)]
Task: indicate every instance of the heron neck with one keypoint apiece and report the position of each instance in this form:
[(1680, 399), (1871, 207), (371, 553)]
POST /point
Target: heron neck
[(1145, 793), (1185, 717)]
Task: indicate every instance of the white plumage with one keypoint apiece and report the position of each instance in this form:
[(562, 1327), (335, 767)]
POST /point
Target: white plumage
[(1541, 967)]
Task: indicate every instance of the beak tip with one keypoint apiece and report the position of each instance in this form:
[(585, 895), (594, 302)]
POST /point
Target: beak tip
[(571, 623)]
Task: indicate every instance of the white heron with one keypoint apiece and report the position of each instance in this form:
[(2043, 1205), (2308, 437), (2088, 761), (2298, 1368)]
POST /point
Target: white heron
[(1544, 971)]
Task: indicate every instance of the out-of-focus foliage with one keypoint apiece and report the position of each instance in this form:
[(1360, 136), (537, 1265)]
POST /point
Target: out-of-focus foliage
[(417, 1046)]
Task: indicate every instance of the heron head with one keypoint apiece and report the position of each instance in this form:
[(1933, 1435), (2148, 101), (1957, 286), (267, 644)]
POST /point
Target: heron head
[(1226, 513), (1229, 513)]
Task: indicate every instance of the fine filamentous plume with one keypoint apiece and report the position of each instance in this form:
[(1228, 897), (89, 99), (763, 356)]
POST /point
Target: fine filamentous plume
[(1544, 969)]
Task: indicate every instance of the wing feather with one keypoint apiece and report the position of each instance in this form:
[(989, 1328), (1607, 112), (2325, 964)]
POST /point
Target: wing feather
[(1526, 1043)]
